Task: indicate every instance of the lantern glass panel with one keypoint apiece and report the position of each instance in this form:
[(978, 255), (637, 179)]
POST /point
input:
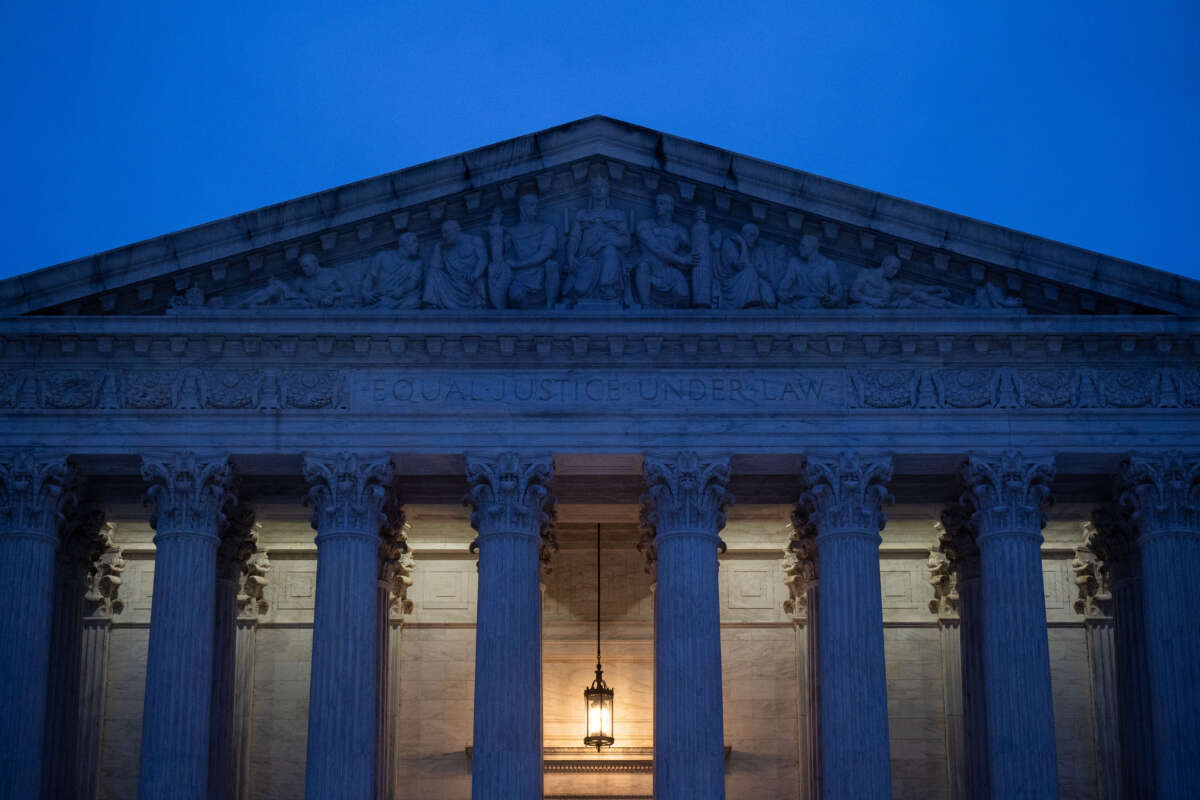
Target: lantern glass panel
[(599, 704)]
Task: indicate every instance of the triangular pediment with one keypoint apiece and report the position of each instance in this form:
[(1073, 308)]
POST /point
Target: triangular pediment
[(769, 237)]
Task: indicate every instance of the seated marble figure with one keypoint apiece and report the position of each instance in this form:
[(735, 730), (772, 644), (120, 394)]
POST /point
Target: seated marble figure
[(393, 278), (667, 255), (811, 280), (596, 248), (315, 287), (877, 287), (523, 272), (455, 278), (745, 270)]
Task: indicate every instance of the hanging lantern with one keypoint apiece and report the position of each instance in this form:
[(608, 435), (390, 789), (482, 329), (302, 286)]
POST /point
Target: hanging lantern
[(599, 701), (598, 698)]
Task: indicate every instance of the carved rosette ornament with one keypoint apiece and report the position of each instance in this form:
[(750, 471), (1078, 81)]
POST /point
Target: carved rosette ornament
[(1164, 492), (685, 494), (1092, 576), (1007, 493), (35, 493), (510, 494), (845, 494), (348, 492), (188, 494)]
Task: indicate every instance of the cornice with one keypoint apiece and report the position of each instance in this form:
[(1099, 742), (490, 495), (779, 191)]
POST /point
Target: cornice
[(355, 209)]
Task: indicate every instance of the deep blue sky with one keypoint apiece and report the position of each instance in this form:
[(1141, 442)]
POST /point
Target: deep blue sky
[(1075, 121)]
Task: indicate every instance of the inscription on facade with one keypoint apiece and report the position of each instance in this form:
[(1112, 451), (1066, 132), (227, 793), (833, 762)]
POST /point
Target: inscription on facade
[(782, 388)]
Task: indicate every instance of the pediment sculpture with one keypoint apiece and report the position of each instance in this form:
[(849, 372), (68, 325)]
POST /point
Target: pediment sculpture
[(602, 258)]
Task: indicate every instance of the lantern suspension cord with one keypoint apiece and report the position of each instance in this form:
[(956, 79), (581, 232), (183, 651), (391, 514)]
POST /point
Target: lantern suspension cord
[(597, 599)]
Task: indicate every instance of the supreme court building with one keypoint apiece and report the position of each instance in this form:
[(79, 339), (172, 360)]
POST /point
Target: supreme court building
[(865, 499)]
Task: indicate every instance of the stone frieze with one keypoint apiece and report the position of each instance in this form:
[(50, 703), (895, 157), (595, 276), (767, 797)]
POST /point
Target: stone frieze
[(966, 388)]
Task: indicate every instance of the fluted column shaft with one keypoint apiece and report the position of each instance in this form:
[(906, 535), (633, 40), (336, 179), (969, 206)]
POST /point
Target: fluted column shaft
[(1101, 641), (950, 635), (684, 510), (974, 686), (509, 495), (189, 497), (62, 702), (844, 501), (1165, 491), (1008, 493), (220, 740), (243, 707), (348, 496), (812, 693), (1133, 689), (34, 491), (96, 634)]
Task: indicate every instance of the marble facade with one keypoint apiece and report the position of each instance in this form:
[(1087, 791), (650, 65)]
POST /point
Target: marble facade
[(891, 503)]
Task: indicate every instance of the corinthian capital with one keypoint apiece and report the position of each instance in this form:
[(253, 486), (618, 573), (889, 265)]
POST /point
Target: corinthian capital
[(239, 541), (509, 494), (34, 493), (103, 581), (799, 566), (1092, 577), (685, 493), (348, 492), (845, 494), (1112, 537), (1008, 492), (189, 494), (1164, 492)]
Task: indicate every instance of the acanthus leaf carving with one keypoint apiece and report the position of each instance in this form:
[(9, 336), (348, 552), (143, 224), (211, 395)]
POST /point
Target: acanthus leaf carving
[(35, 493), (395, 558), (685, 492), (509, 493), (1007, 492), (347, 492), (845, 494), (800, 565), (102, 583), (1163, 491), (953, 557), (187, 493), (1092, 577)]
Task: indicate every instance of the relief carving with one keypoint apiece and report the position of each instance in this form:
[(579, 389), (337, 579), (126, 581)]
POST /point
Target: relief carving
[(455, 278), (394, 279), (747, 270), (524, 272), (596, 248)]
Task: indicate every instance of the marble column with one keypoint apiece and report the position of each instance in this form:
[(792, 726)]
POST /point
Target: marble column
[(395, 566), (684, 508), (239, 540), (75, 555), (1115, 543), (957, 547), (189, 495), (101, 604), (800, 566), (350, 496), (251, 605), (945, 606), (1095, 603), (1007, 494), (34, 491), (1164, 490), (843, 502), (511, 505)]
